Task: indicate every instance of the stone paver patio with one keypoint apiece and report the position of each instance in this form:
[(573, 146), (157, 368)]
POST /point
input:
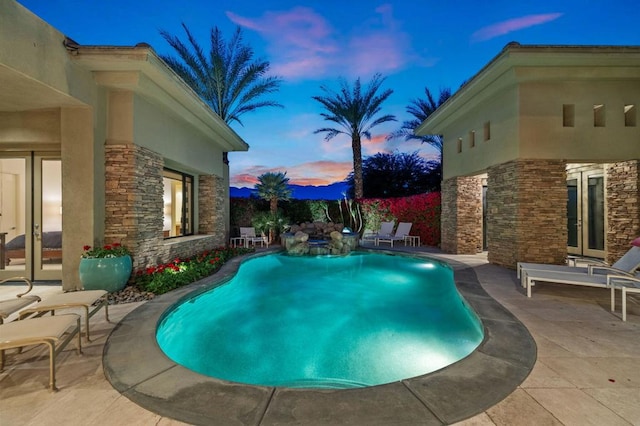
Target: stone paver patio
[(586, 371)]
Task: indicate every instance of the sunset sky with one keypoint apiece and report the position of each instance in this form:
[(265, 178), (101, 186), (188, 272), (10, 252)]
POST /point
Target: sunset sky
[(414, 44)]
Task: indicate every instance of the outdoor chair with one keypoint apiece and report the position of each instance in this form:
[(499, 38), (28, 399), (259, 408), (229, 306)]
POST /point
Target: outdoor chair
[(386, 230), (88, 301), (54, 332), (250, 237), (13, 305), (626, 283), (626, 265), (402, 231)]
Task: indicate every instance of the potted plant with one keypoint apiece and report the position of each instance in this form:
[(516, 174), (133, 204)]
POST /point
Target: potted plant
[(105, 268)]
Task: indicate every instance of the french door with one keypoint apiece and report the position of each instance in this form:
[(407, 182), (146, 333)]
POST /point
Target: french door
[(31, 215), (586, 213)]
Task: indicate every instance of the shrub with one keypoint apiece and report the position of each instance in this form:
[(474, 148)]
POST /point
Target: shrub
[(180, 272)]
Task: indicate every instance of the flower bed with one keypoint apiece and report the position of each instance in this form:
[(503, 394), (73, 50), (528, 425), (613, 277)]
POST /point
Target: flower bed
[(180, 272)]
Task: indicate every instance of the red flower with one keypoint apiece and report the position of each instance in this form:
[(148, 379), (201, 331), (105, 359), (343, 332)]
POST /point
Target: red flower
[(85, 248)]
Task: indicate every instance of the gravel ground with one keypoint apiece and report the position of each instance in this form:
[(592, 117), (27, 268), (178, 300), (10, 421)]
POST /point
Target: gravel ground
[(129, 294)]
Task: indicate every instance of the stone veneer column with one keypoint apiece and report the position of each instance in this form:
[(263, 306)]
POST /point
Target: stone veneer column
[(133, 202), (461, 217), (527, 212), (211, 207), (623, 207)]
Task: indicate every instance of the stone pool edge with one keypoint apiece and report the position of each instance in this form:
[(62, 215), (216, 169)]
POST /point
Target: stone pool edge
[(136, 367)]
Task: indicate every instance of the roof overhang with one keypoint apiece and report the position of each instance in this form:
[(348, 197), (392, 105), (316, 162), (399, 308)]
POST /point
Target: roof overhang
[(141, 70), (518, 63)]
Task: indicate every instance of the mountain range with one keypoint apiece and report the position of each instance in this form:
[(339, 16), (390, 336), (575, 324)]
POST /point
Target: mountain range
[(333, 191)]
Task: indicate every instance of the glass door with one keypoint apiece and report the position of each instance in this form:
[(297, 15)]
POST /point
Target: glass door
[(586, 213), (31, 216)]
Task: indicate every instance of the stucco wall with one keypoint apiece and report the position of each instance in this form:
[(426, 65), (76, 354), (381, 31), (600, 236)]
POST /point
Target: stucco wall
[(161, 132), (501, 113), (542, 134)]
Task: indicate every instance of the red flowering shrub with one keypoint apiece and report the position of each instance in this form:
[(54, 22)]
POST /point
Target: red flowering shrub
[(423, 211), (179, 272)]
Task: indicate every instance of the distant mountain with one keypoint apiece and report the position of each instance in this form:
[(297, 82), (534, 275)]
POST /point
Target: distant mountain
[(301, 192)]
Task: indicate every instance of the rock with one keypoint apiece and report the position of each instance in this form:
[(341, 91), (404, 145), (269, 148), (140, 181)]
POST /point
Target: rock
[(301, 237)]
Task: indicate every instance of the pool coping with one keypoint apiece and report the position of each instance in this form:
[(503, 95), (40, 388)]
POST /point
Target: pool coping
[(135, 365)]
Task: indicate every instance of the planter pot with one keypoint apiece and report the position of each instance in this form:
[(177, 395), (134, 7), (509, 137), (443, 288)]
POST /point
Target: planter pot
[(109, 273)]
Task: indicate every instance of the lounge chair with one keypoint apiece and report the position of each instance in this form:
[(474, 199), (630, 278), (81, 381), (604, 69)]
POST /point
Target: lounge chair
[(402, 231), (55, 332), (250, 237), (83, 299), (13, 305), (386, 230), (626, 265), (626, 283)]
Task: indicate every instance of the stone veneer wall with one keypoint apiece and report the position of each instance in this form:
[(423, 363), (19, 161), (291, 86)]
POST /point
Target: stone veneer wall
[(527, 212), (461, 217), (134, 208), (211, 207), (623, 207)]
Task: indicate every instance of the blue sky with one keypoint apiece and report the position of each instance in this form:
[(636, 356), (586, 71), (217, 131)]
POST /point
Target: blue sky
[(414, 44)]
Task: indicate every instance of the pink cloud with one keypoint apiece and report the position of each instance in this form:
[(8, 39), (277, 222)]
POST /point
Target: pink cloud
[(309, 173), (303, 43), (505, 27)]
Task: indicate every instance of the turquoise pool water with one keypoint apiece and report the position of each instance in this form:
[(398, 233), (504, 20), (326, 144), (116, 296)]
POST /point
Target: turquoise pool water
[(324, 322)]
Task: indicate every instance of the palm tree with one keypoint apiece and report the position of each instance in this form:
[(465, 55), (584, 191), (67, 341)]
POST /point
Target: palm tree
[(421, 109), (273, 187), (227, 78), (353, 111)]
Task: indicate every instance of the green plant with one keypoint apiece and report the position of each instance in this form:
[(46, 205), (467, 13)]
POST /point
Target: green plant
[(270, 224), (180, 272), (108, 250), (319, 210)]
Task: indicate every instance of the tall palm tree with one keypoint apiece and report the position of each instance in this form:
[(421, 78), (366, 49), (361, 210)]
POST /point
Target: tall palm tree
[(353, 111), (273, 187), (227, 78), (421, 109)]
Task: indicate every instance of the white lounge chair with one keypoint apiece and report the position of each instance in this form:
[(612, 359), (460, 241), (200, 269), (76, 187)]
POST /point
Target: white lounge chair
[(54, 332), (628, 284), (403, 230), (386, 230), (250, 237), (626, 265)]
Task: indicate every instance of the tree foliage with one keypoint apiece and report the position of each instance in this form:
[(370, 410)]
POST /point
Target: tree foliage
[(273, 187), (354, 111), (421, 109), (398, 175), (226, 78)]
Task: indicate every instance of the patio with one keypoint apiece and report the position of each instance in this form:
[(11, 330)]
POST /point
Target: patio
[(586, 371)]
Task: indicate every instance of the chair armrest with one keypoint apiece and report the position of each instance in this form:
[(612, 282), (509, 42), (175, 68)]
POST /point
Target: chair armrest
[(615, 271), (26, 281), (625, 280)]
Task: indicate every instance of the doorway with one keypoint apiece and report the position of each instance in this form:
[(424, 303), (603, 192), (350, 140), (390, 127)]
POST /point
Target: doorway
[(586, 211), (31, 216)]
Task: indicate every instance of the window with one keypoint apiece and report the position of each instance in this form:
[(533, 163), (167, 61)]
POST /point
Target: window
[(472, 139), (178, 200), (459, 145), (568, 115), (598, 115), (487, 131), (630, 115)]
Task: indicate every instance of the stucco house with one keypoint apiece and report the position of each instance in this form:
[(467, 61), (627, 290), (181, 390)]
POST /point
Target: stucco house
[(102, 144), (541, 155)]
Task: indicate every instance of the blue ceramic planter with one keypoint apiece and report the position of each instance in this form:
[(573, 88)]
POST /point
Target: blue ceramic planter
[(109, 273)]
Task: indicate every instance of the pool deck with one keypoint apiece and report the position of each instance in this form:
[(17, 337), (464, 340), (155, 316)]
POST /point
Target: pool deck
[(586, 370)]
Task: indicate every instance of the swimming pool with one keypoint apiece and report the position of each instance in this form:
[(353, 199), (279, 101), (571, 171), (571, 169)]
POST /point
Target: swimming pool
[(324, 322)]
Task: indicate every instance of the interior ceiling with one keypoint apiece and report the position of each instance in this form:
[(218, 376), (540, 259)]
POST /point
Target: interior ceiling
[(20, 93)]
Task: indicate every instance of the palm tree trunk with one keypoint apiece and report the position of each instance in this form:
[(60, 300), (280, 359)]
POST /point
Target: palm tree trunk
[(356, 145)]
